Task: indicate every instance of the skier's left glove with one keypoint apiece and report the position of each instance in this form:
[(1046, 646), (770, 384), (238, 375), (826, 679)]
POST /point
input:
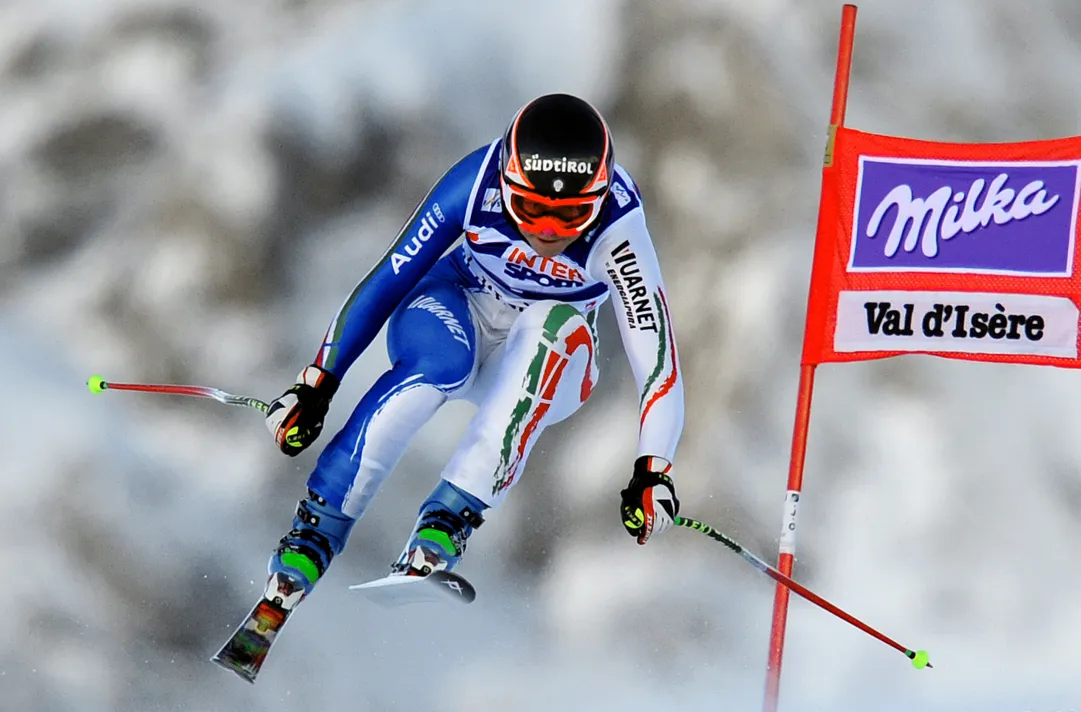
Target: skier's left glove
[(295, 418), (649, 504)]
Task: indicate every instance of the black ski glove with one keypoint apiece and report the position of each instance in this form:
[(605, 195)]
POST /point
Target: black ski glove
[(295, 418), (649, 503)]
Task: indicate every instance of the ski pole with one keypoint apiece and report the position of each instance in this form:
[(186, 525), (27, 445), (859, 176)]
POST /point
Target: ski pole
[(919, 658), (97, 384)]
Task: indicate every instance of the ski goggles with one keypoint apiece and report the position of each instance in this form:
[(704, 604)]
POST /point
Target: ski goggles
[(562, 217)]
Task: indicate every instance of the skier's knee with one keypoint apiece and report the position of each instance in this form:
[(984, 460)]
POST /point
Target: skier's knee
[(553, 321), (559, 325), (563, 328), (446, 372)]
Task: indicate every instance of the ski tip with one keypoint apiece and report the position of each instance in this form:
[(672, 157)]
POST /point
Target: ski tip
[(454, 585), (244, 675), (398, 590)]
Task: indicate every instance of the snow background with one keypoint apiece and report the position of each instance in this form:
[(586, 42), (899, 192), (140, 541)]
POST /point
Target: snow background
[(189, 189)]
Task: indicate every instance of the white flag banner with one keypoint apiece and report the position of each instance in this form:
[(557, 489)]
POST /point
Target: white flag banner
[(956, 322)]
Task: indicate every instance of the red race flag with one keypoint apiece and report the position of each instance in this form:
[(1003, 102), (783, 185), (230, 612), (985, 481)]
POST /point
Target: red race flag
[(956, 250)]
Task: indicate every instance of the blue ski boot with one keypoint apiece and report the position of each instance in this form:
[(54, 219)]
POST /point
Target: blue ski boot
[(303, 555), (446, 520)]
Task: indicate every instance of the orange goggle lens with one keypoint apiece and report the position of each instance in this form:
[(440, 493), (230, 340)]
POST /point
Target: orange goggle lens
[(572, 215), (565, 217)]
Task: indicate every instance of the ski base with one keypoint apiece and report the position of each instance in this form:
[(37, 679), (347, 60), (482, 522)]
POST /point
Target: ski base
[(246, 650), (400, 590), (248, 647)]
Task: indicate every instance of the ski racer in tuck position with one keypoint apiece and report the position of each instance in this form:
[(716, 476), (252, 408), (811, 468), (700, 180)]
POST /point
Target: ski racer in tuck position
[(552, 227)]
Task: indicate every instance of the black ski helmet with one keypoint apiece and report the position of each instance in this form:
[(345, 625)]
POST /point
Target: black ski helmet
[(556, 166)]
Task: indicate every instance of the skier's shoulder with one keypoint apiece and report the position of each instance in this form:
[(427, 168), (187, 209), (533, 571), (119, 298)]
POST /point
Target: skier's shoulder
[(624, 198), (624, 201), (622, 227), (476, 163), (477, 176), (462, 179)]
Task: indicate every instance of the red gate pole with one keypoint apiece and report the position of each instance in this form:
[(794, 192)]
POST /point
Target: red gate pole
[(803, 401)]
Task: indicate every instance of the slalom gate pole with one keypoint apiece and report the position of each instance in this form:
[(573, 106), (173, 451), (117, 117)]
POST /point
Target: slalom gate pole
[(787, 549)]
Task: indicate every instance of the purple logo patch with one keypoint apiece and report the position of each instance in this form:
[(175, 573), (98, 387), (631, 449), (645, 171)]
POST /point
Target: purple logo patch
[(965, 216)]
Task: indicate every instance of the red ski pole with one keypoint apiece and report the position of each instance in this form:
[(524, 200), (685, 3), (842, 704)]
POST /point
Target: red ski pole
[(919, 658), (97, 384)]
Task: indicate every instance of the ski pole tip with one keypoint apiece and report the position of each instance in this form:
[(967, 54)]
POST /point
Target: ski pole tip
[(97, 384), (920, 659)]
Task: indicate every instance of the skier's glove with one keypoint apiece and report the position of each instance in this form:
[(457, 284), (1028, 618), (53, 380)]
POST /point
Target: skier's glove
[(295, 418), (649, 503)]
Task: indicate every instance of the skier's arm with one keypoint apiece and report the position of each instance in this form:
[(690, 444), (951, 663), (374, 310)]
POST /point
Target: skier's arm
[(295, 418), (625, 259), (434, 226)]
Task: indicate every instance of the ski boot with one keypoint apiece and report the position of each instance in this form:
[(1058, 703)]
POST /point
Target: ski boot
[(445, 521), (302, 557)]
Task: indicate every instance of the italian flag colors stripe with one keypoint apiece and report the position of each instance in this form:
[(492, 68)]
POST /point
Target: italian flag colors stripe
[(666, 356), (328, 352), (541, 381)]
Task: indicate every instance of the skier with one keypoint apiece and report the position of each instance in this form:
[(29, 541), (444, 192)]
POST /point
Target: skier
[(552, 227)]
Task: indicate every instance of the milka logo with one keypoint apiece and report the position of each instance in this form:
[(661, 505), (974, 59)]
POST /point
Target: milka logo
[(965, 217), (1000, 204), (412, 248), (557, 165)]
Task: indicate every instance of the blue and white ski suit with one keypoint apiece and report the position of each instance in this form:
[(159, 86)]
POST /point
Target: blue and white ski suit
[(493, 322)]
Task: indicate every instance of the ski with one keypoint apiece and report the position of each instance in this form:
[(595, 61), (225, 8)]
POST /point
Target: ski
[(401, 589), (248, 647)]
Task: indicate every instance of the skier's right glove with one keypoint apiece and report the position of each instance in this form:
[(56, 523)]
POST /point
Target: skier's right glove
[(295, 418)]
